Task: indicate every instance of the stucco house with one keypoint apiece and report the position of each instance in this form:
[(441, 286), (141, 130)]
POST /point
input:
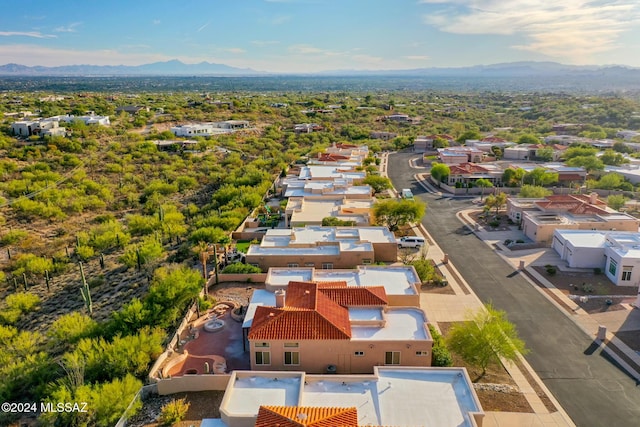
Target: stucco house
[(323, 247), (390, 396), (615, 253), (329, 327), (541, 217)]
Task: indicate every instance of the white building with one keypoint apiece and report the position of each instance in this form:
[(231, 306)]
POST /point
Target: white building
[(616, 253), (209, 129)]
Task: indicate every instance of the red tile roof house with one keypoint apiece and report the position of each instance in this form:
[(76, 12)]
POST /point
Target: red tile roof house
[(331, 327)]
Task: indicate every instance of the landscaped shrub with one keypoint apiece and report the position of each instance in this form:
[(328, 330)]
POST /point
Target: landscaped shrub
[(551, 270), (440, 355), (494, 223), (173, 412), (239, 268), (16, 305)]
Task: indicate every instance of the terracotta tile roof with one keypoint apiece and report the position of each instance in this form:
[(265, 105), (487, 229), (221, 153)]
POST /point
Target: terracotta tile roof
[(307, 314), (466, 168), (357, 296), (578, 204), (331, 284), (327, 157), (300, 416), (342, 145)]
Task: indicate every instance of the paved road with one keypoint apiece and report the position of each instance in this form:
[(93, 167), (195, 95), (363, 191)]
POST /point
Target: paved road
[(592, 390)]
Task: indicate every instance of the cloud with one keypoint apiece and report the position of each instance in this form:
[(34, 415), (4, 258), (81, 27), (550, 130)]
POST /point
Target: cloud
[(71, 28), (264, 42), (417, 57), (35, 34), (31, 55), (279, 20), (571, 29), (235, 50)]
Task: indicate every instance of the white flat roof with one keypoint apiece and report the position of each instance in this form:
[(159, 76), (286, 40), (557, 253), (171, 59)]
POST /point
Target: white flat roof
[(258, 298), (249, 393), (396, 280), (360, 314), (401, 324), (399, 397), (583, 238)]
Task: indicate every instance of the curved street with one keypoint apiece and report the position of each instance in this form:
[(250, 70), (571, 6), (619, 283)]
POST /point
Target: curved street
[(592, 390)]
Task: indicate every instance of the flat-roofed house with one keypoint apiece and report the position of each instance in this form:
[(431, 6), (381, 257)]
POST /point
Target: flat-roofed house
[(615, 253), (391, 396), (541, 217), (331, 327), (323, 247)]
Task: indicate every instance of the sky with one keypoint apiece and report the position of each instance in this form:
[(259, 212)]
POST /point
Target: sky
[(302, 36)]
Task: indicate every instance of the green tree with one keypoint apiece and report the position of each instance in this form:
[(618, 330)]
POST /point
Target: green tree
[(533, 192), (440, 172), (545, 154), (425, 269), (579, 151), (440, 142), (610, 157), (470, 134), (589, 163), (394, 213), (610, 181), (527, 138), (483, 183), (496, 201), (621, 147), (377, 182), (71, 327), (513, 177), (616, 201), (440, 355), (332, 221), (541, 176), (485, 338)]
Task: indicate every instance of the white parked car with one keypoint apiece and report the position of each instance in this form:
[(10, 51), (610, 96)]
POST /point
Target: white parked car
[(411, 242)]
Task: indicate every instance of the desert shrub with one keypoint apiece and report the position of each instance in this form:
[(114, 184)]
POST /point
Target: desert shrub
[(72, 327), (551, 270), (12, 237), (173, 412), (16, 305), (84, 252)]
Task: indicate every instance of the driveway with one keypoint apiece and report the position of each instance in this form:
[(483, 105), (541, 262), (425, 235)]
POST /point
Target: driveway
[(590, 387)]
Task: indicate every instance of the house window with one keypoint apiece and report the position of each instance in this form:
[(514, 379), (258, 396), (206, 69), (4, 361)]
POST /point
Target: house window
[(613, 266), (392, 358), (292, 264), (309, 264), (358, 353), (291, 358), (327, 265), (263, 358), (626, 272), (422, 353), (292, 344), (366, 261), (261, 344)]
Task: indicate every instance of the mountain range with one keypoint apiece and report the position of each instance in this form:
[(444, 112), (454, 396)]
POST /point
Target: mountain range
[(178, 68)]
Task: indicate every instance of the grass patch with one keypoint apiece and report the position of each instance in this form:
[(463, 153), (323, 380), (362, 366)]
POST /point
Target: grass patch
[(243, 246)]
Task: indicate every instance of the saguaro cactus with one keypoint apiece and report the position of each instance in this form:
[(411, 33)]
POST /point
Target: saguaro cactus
[(85, 291)]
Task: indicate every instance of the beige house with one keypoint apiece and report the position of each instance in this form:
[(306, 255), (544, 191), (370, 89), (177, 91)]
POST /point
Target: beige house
[(334, 328), (401, 282), (541, 217), (311, 210), (323, 247), (391, 396)]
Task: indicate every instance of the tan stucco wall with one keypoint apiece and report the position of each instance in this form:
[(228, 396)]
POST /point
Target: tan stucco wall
[(544, 232), (192, 383), (343, 260), (315, 356)]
